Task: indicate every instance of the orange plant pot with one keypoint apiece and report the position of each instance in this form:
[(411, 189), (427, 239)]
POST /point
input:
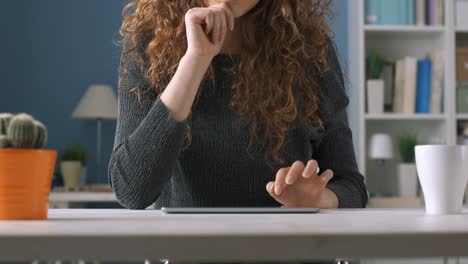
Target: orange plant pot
[(25, 180)]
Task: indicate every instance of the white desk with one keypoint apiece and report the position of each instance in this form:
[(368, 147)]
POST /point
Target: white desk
[(135, 235), (63, 199)]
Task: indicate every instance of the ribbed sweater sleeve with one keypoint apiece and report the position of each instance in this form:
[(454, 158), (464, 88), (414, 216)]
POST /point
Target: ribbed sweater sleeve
[(335, 150), (147, 144)]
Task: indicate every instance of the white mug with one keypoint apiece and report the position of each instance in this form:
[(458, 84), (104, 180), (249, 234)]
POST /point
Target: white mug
[(443, 174)]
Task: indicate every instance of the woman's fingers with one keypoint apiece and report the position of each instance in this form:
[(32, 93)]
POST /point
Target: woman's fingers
[(271, 190), (209, 20), (310, 169), (294, 173), (226, 20), (280, 180), (270, 187), (216, 29), (214, 21), (229, 16), (325, 177), (224, 29)]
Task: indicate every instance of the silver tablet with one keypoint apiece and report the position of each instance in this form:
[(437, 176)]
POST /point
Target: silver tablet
[(238, 210)]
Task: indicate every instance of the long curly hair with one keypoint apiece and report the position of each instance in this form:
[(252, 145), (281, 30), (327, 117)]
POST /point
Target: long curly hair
[(282, 60)]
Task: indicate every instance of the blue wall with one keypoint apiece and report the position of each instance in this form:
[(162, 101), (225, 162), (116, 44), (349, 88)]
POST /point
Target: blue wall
[(340, 28), (52, 50), (57, 49)]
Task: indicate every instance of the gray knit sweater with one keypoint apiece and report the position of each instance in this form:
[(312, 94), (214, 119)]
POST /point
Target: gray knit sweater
[(150, 164)]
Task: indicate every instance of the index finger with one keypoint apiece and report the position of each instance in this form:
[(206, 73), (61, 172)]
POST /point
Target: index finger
[(229, 15)]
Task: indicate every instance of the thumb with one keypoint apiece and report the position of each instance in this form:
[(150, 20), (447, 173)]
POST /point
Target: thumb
[(270, 187)]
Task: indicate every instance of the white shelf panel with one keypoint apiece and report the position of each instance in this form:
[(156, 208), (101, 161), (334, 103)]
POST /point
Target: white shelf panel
[(403, 30), (397, 117), (461, 30), (462, 117)]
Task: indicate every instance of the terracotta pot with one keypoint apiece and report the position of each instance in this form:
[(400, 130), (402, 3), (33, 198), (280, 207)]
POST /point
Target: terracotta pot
[(25, 180)]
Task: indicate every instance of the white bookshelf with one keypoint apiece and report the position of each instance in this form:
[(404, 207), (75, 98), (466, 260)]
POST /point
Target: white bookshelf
[(399, 117), (399, 29), (462, 117), (396, 42)]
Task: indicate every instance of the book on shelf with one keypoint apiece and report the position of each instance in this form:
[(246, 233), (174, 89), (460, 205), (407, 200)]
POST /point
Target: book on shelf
[(392, 13), (437, 80), (372, 12), (388, 75), (410, 11), (420, 12), (398, 89), (440, 12), (431, 17), (423, 89), (405, 85), (404, 12), (435, 12), (415, 86)]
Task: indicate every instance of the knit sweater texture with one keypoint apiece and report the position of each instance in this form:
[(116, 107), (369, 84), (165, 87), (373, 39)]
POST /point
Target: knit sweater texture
[(150, 162)]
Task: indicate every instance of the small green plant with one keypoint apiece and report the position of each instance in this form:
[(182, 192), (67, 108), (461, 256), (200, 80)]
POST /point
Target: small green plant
[(374, 65), (74, 152), (407, 145), (21, 131)]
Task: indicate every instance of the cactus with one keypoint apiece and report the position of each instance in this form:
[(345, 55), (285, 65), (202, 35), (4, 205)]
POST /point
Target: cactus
[(41, 137), (4, 142), (5, 119), (22, 131)]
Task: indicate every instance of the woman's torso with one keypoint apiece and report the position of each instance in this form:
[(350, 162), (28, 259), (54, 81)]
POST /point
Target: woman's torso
[(216, 169)]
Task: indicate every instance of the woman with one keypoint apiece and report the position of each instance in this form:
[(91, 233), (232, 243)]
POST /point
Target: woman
[(229, 103)]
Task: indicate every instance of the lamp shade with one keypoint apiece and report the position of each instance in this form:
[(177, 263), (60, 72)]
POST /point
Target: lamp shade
[(381, 147), (99, 102)]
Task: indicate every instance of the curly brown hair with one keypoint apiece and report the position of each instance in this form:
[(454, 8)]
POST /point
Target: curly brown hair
[(282, 60)]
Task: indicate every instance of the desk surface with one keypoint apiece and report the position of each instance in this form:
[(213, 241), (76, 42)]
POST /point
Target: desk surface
[(133, 235), (82, 197)]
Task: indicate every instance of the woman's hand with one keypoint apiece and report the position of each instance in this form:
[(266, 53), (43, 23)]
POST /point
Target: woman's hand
[(206, 29), (300, 186)]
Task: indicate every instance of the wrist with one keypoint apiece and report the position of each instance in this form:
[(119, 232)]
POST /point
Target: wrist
[(198, 58), (195, 66), (329, 200)]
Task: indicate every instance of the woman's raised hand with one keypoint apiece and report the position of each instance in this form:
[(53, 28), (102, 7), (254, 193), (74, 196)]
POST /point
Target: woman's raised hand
[(206, 29), (301, 186)]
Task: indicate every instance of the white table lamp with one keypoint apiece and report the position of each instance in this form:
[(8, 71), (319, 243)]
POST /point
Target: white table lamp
[(98, 103), (381, 147)]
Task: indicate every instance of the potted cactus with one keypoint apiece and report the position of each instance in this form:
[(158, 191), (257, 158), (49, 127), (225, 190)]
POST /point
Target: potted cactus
[(71, 166), (25, 168), (375, 84), (407, 173)]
